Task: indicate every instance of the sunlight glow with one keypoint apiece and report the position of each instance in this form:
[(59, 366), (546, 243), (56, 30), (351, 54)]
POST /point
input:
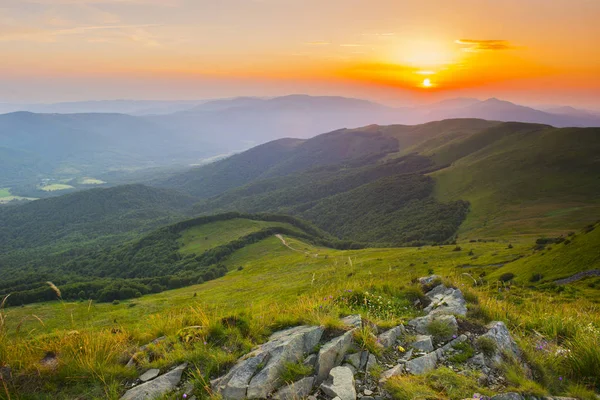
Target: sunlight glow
[(427, 83)]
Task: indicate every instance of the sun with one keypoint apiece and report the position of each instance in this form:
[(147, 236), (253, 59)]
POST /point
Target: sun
[(427, 83)]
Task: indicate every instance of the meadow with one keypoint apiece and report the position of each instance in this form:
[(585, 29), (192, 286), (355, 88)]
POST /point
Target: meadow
[(270, 287)]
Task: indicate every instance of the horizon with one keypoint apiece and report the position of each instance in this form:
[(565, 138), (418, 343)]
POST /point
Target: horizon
[(397, 54)]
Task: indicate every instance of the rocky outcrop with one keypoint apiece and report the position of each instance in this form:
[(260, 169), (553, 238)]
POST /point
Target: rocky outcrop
[(157, 387), (257, 375), (389, 337), (332, 354), (296, 390), (149, 375), (340, 383), (499, 333), (423, 343), (421, 324), (446, 301)]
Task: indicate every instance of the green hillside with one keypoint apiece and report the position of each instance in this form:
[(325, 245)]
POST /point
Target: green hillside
[(558, 258), (523, 179)]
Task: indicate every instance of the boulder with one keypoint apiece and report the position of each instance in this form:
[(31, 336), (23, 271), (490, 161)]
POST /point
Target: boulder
[(426, 280), (340, 383), (447, 302), (157, 387), (297, 390), (498, 332), (422, 365), (149, 375), (310, 361), (388, 338), (247, 380), (371, 362), (420, 324), (355, 360), (397, 370), (331, 355), (423, 343), (353, 321)]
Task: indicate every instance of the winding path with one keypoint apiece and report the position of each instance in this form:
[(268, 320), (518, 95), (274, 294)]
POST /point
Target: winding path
[(578, 276)]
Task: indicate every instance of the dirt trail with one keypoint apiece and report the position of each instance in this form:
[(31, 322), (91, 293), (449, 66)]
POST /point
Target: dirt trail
[(280, 237)]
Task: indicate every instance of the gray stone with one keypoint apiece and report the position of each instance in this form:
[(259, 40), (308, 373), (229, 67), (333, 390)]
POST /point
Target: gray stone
[(423, 343), (426, 280), (156, 387), (407, 356), (368, 392), (423, 364), (420, 324), (149, 375), (508, 396), (353, 321), (340, 383), (388, 338), (447, 302), (355, 360), (477, 360), (499, 333), (247, 380), (331, 355), (296, 390), (284, 347), (397, 370), (310, 361), (371, 362), (439, 289)]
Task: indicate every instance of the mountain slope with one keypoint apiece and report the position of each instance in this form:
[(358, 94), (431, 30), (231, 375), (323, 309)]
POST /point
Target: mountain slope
[(524, 179)]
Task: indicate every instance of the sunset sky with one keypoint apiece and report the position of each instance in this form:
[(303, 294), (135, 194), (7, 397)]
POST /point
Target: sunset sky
[(394, 51)]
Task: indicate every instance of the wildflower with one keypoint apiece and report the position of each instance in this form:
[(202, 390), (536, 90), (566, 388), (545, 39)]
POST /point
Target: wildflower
[(205, 342), (453, 336), (560, 378), (185, 395)]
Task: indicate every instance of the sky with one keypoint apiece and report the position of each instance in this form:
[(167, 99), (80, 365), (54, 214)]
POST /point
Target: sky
[(394, 51)]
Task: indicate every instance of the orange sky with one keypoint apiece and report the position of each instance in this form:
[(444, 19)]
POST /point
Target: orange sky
[(535, 51)]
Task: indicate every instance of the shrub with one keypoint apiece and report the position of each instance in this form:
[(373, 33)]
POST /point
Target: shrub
[(475, 311), (365, 338), (510, 246), (457, 248), (240, 268), (486, 345), (440, 330), (536, 278), (507, 276), (464, 352)]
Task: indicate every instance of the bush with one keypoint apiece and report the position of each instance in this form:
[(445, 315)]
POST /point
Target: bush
[(506, 277), (240, 268), (116, 302), (464, 351), (440, 330), (486, 345), (457, 248), (536, 278)]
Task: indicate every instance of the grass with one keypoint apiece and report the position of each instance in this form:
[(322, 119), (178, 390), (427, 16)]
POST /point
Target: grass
[(294, 371), (55, 187), (4, 192), (90, 181), (198, 239), (278, 288)]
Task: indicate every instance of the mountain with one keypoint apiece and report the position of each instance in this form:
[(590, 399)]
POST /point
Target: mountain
[(501, 169), (132, 107)]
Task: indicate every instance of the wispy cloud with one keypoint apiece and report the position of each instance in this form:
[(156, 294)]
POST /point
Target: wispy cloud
[(474, 46)]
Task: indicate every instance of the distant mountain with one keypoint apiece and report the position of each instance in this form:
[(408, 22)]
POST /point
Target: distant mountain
[(133, 107)]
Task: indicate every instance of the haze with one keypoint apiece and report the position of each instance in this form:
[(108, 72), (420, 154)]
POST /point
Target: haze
[(534, 52)]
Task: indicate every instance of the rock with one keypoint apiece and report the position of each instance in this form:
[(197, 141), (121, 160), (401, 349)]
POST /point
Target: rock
[(397, 370), (423, 364), (149, 375), (355, 360), (508, 396), (5, 373), (310, 361), (157, 387), (388, 338), (477, 360), (447, 302), (296, 390), (353, 321), (407, 356), (499, 333), (420, 324), (424, 343), (449, 346), (371, 362), (50, 360), (367, 392), (439, 289), (428, 279), (246, 380), (331, 355), (340, 383), (284, 347)]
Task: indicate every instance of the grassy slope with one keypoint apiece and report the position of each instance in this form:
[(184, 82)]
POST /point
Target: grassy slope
[(558, 261), (201, 238), (525, 181)]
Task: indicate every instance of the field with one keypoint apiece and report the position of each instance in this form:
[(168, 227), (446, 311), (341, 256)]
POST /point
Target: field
[(4, 193), (201, 238), (273, 286), (55, 187), (90, 181)]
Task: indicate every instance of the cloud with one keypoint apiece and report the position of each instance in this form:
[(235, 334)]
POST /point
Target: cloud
[(317, 43), (474, 46), (351, 45)]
